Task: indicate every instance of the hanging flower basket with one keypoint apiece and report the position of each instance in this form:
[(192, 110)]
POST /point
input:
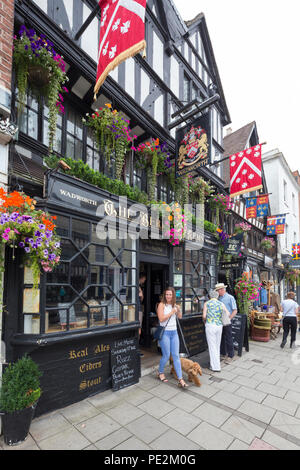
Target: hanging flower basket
[(246, 292), (112, 134), (267, 243), (199, 189), (174, 222), (243, 227), (292, 276), (38, 76), (40, 68), (152, 156), (21, 225)]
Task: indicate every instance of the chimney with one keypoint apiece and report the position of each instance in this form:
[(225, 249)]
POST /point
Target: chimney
[(228, 131)]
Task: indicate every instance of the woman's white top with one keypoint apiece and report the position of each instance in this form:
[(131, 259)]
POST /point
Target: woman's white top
[(172, 321)]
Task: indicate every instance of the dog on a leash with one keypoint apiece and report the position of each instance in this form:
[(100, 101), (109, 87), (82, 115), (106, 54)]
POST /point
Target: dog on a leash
[(193, 369)]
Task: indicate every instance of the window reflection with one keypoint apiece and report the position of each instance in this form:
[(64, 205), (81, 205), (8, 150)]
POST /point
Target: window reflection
[(74, 134), (199, 277)]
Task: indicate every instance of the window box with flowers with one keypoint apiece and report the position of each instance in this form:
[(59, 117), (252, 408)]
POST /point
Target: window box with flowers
[(23, 226), (40, 68), (112, 134)]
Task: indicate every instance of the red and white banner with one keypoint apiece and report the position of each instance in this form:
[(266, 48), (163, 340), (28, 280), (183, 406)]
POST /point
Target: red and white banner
[(122, 34), (245, 171)]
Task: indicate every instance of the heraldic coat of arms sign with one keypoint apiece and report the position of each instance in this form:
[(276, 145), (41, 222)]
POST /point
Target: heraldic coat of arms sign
[(193, 146)]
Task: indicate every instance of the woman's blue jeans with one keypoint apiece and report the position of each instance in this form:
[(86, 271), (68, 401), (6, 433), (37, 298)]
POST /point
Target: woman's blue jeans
[(170, 346)]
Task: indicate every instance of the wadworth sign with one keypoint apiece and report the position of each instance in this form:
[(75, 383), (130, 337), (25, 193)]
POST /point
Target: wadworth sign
[(117, 216), (193, 146)]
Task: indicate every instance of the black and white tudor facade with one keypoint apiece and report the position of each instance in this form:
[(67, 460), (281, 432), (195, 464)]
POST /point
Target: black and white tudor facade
[(71, 337)]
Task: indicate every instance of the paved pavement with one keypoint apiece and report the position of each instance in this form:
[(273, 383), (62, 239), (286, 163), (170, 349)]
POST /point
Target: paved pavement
[(254, 403)]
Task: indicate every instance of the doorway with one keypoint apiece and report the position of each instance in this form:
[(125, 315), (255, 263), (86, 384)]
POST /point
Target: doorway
[(157, 279)]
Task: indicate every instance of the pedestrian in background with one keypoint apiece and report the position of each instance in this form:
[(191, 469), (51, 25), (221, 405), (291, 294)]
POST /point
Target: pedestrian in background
[(289, 309), (212, 317), (227, 349), (167, 311)]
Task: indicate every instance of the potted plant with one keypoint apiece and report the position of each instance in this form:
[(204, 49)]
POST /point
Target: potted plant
[(21, 225), (19, 395), (151, 157), (39, 67), (112, 133)]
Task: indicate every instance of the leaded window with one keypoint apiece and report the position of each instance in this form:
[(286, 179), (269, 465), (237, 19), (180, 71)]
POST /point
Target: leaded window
[(95, 283), (194, 275)]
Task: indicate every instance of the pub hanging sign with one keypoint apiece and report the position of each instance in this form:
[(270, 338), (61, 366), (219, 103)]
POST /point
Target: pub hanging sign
[(193, 146)]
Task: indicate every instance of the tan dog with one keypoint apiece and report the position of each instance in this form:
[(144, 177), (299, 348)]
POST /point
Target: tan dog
[(191, 368)]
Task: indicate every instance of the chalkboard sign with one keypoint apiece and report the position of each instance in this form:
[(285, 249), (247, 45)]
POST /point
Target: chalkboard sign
[(240, 333), (125, 363), (191, 333)]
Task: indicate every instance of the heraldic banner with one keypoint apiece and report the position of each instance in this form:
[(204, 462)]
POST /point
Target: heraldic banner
[(296, 250), (122, 34), (257, 206), (245, 171), (193, 146), (276, 224)]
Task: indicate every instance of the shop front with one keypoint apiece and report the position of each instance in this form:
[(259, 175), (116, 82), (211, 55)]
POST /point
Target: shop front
[(85, 310), (82, 324)]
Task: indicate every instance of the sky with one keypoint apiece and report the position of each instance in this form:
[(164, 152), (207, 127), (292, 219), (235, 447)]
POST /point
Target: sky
[(257, 49)]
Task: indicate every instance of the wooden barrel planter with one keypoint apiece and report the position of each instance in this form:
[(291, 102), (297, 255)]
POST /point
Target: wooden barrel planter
[(261, 330)]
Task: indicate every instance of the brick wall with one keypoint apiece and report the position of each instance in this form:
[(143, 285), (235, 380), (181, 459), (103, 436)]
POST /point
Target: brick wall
[(6, 42)]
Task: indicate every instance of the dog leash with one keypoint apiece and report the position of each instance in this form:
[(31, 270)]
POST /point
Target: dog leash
[(182, 337)]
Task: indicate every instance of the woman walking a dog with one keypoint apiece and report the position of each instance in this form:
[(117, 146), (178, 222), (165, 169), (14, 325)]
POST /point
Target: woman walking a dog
[(167, 312)]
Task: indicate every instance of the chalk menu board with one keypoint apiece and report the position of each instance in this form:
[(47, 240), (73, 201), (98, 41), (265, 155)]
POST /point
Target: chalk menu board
[(125, 363), (240, 333), (192, 330)]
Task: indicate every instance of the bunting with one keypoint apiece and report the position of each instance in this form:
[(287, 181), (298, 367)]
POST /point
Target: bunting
[(122, 34), (276, 224), (257, 206)]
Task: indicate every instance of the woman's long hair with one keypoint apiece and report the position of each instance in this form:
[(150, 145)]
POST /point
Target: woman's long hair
[(164, 300)]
